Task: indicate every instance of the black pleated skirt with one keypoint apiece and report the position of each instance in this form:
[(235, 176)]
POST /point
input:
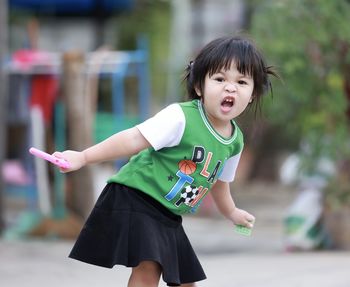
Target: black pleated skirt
[(126, 226)]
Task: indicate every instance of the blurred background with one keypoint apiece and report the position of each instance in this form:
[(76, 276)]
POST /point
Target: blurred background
[(74, 72)]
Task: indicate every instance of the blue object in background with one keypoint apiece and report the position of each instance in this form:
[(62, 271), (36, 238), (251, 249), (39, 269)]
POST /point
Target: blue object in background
[(76, 7)]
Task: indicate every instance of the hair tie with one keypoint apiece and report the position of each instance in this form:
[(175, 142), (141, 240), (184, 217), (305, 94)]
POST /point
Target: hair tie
[(190, 65)]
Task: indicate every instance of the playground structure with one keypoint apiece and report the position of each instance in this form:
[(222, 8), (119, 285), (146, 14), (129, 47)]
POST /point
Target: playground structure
[(44, 193)]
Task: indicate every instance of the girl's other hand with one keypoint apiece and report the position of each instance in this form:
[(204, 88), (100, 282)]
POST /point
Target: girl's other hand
[(242, 217)]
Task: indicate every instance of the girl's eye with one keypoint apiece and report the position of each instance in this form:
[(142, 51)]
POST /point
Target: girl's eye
[(219, 79), (241, 82)]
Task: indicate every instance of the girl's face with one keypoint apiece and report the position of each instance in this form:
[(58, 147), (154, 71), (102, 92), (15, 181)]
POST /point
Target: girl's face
[(226, 95)]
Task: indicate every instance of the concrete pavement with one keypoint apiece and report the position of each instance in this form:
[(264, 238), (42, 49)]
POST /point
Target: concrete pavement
[(229, 259), (45, 263)]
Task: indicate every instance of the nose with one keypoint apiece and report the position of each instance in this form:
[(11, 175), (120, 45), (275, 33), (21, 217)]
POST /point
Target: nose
[(230, 87)]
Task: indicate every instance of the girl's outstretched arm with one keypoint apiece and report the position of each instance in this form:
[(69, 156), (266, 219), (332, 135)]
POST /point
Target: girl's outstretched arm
[(123, 144), (224, 201)]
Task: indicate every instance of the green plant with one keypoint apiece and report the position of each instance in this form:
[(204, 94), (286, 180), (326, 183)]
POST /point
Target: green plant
[(309, 43), (337, 193)]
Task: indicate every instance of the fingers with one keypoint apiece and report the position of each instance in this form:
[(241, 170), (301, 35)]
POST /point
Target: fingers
[(242, 217), (250, 221), (60, 155), (250, 224), (57, 154)]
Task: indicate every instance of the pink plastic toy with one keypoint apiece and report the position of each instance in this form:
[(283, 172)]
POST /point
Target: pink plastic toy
[(55, 160)]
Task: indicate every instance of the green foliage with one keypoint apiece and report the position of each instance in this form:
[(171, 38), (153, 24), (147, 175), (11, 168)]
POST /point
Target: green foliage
[(337, 193), (305, 40)]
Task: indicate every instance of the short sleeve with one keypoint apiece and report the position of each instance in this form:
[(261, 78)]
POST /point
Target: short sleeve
[(229, 171), (166, 128)]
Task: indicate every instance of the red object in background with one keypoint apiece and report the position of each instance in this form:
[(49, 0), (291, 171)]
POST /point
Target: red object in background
[(43, 94), (44, 88)]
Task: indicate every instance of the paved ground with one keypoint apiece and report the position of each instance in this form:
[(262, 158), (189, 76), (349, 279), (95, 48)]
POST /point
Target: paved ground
[(228, 258), (44, 263)]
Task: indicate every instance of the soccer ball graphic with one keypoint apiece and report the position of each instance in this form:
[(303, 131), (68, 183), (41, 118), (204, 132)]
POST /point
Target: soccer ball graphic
[(188, 194)]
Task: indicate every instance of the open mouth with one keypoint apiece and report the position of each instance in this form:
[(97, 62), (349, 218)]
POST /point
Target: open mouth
[(228, 102)]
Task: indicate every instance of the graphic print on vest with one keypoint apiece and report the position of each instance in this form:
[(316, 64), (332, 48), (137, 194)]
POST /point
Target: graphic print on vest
[(191, 194)]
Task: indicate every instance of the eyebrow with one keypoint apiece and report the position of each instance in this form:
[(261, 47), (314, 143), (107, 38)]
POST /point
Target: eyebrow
[(242, 75)]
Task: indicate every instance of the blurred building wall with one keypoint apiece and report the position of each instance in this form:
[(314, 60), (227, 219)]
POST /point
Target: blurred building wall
[(194, 24), (212, 19)]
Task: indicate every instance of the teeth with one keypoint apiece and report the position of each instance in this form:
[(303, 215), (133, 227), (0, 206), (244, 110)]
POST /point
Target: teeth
[(228, 102)]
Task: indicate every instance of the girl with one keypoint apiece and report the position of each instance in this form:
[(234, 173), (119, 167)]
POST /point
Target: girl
[(178, 155)]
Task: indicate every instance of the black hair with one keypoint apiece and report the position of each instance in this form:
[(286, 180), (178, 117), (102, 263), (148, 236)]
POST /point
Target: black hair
[(219, 54)]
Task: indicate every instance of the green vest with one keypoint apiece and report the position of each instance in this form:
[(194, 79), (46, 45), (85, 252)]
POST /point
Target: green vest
[(179, 177)]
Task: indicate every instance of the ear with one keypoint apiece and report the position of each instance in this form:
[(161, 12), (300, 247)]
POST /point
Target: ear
[(251, 99), (198, 92)]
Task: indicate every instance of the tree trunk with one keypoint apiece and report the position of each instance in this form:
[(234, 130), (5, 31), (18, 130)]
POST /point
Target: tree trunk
[(79, 126)]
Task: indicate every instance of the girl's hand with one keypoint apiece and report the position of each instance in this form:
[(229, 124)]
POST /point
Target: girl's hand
[(242, 217), (74, 158)]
